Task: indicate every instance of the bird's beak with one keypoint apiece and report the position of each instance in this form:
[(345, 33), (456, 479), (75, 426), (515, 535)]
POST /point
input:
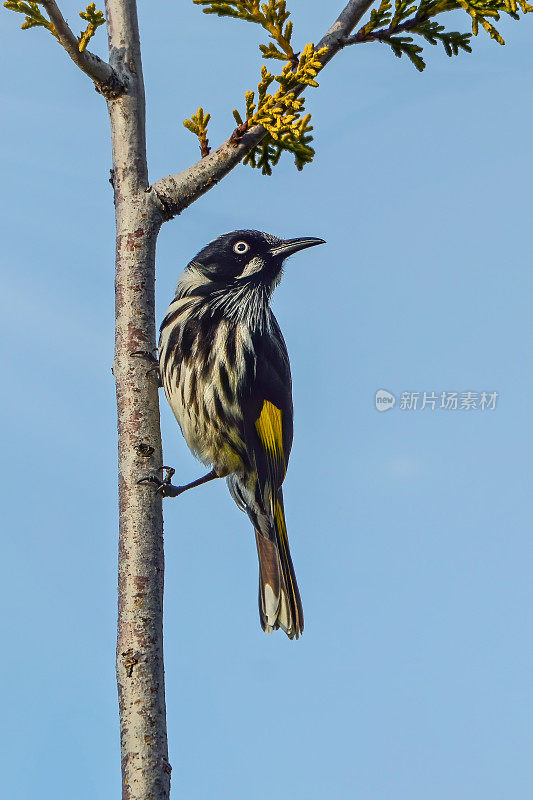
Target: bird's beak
[(290, 246)]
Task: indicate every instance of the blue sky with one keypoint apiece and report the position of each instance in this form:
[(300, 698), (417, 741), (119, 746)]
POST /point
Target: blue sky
[(410, 530)]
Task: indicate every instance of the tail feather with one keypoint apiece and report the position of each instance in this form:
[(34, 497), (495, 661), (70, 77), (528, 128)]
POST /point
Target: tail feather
[(279, 599), (270, 580), (280, 605), (291, 584)]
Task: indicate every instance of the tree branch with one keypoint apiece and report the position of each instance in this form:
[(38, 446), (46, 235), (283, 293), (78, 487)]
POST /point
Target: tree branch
[(176, 192), (335, 37), (383, 33), (104, 76)]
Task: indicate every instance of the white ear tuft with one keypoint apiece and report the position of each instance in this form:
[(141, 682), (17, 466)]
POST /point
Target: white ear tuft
[(255, 264)]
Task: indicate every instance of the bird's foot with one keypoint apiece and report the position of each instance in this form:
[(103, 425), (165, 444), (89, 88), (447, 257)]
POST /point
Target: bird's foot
[(164, 487), (148, 356)]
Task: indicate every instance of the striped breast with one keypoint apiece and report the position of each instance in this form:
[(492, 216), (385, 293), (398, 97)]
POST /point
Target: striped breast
[(204, 359)]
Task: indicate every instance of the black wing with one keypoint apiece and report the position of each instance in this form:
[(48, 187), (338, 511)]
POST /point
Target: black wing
[(267, 411)]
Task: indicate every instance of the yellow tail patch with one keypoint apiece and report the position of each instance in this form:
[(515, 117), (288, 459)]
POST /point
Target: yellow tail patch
[(279, 517), (280, 521)]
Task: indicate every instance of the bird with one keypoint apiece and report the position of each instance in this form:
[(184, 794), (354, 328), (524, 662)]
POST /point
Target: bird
[(225, 370)]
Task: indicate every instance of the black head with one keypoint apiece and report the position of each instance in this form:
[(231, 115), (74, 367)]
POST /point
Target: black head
[(247, 256)]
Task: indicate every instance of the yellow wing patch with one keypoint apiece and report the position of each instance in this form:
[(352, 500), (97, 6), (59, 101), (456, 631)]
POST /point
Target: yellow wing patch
[(269, 427)]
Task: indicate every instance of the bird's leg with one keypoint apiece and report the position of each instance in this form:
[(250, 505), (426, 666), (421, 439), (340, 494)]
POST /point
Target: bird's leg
[(166, 489), (198, 482)]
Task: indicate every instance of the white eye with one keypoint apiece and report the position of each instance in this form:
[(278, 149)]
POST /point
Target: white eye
[(240, 248)]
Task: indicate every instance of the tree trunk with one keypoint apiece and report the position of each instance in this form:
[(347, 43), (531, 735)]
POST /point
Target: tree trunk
[(140, 669)]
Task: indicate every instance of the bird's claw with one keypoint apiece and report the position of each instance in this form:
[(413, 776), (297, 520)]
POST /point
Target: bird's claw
[(170, 472), (149, 356), (164, 487)]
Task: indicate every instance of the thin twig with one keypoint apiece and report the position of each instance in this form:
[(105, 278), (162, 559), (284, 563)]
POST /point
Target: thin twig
[(384, 33), (104, 76), (176, 192)]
